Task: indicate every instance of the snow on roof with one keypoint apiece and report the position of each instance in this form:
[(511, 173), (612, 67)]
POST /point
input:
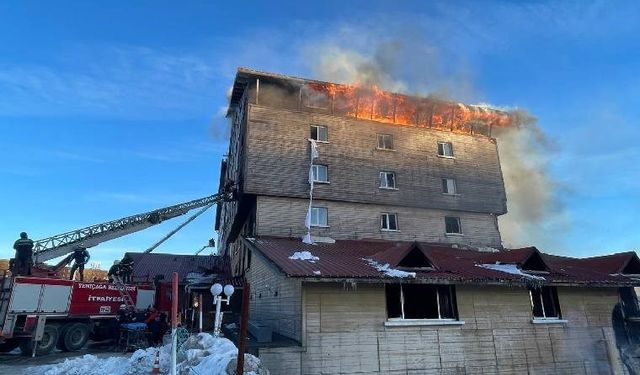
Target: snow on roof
[(510, 269), (387, 270), (304, 255)]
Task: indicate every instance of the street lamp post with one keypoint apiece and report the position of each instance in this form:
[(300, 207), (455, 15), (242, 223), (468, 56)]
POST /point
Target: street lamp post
[(217, 290)]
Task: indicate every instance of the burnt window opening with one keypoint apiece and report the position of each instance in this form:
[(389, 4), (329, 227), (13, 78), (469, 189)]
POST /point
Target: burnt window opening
[(385, 141), (420, 301), (545, 303), (632, 268), (415, 259), (535, 264), (319, 133), (452, 225)]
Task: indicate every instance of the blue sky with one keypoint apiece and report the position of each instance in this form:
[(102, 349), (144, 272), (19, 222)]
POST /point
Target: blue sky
[(107, 111)]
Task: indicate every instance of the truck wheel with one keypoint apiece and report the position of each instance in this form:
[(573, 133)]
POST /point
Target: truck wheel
[(9, 345), (75, 337), (45, 346)]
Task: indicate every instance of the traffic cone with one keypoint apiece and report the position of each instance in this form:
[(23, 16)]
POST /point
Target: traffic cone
[(156, 364)]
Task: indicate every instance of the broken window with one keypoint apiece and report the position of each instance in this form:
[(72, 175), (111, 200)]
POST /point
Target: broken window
[(319, 173), (319, 133), (445, 149), (544, 303), (389, 221), (420, 301), (449, 186), (319, 216), (629, 301), (452, 225), (387, 180), (385, 141)]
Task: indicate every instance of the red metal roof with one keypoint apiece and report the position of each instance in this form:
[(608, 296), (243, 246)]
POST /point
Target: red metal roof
[(148, 266), (347, 259)]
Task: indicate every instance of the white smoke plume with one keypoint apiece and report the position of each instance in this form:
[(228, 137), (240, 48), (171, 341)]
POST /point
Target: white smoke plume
[(535, 214)]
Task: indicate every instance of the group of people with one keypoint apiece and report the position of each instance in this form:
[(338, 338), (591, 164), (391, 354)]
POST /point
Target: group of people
[(151, 320), (121, 269), (23, 262)]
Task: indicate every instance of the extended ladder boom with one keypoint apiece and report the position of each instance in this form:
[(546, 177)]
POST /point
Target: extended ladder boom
[(65, 243)]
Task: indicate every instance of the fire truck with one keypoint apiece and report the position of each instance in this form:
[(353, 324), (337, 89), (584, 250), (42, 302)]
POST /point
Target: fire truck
[(42, 311)]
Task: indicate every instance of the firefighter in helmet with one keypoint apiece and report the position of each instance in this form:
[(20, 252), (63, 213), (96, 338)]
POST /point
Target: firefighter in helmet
[(80, 257), (24, 255)]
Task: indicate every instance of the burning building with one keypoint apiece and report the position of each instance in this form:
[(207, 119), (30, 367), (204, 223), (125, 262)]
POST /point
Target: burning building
[(367, 223)]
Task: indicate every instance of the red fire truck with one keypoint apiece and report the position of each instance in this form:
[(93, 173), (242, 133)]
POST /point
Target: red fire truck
[(54, 312), (42, 311)]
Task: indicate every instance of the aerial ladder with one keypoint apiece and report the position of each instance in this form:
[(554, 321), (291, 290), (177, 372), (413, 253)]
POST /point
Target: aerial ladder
[(66, 243)]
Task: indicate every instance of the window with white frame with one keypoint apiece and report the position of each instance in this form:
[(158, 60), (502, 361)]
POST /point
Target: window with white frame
[(421, 301), (449, 186), (452, 225), (319, 173), (319, 217), (388, 221), (319, 133), (544, 303), (445, 149), (385, 141), (387, 180)]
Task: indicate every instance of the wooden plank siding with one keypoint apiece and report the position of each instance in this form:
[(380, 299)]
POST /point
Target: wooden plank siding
[(278, 162), (285, 217), (345, 335)]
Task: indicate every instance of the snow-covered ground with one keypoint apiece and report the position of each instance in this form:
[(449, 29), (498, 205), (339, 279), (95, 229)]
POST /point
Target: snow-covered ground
[(201, 354)]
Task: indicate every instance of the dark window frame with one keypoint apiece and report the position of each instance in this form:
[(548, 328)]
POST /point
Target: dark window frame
[(384, 218), (385, 141), (445, 150), (421, 302), (545, 304), (445, 186), (447, 226), (384, 176), (316, 136)]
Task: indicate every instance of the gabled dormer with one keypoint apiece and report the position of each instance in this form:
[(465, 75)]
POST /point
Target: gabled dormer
[(534, 263), (415, 259)]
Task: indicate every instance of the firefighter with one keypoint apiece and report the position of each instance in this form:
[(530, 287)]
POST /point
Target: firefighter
[(114, 271), (81, 257), (126, 268), (24, 255)]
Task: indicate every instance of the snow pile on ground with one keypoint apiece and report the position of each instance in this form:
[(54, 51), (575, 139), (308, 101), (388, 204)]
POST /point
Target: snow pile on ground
[(391, 272), (200, 354), (304, 255), (510, 269)]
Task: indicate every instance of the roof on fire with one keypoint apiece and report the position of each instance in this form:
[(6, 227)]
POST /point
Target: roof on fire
[(441, 263)]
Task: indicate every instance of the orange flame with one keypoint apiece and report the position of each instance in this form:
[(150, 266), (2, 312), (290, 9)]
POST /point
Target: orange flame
[(378, 105)]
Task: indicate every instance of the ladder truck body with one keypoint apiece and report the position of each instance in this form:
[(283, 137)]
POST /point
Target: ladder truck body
[(42, 311)]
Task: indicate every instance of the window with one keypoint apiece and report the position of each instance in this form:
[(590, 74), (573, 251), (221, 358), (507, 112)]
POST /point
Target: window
[(449, 186), (445, 149), (420, 301), (452, 225), (319, 173), (385, 141), (319, 133), (387, 180), (388, 221), (544, 303), (319, 217)]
